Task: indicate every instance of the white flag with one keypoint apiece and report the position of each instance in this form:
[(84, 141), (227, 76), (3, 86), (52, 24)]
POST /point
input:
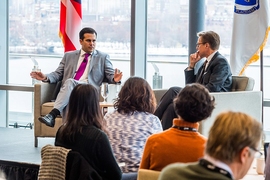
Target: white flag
[(250, 32)]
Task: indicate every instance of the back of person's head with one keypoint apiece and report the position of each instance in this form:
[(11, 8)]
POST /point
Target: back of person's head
[(135, 95), (230, 134), (83, 109), (86, 30), (211, 38), (194, 103)]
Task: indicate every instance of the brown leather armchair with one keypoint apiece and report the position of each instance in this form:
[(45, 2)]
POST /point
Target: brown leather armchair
[(44, 94)]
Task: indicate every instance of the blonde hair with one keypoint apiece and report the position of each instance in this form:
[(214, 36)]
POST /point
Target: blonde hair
[(230, 133)]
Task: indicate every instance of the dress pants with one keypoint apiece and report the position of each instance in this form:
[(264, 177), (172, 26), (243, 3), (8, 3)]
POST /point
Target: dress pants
[(62, 98), (165, 110)]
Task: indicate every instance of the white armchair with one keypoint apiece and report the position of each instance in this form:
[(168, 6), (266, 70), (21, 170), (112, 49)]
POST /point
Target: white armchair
[(242, 98)]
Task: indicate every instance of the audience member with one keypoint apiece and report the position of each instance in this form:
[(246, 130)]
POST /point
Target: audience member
[(82, 132), (233, 142), (182, 142), (132, 122), (97, 68), (215, 75), (267, 163)]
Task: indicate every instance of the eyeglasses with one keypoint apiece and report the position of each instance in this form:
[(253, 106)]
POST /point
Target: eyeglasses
[(198, 44), (257, 152)]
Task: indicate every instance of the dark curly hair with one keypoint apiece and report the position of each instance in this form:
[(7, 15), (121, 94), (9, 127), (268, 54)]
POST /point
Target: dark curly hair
[(135, 95), (194, 103)]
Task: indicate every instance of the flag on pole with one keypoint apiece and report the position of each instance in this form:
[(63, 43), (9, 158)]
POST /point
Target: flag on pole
[(250, 32), (70, 23)]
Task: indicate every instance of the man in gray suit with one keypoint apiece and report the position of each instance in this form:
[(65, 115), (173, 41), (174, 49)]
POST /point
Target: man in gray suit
[(97, 68)]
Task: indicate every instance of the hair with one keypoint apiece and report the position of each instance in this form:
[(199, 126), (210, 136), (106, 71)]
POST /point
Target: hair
[(194, 103), (83, 110), (230, 133), (86, 30), (211, 38), (135, 95)]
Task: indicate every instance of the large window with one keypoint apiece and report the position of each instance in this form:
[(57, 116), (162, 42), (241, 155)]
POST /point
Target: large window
[(34, 40), (167, 42)]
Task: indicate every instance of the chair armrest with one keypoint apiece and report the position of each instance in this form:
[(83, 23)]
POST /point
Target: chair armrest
[(42, 93), (159, 93)]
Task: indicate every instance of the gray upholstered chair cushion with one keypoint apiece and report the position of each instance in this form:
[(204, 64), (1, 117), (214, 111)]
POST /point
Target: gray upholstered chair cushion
[(242, 83)]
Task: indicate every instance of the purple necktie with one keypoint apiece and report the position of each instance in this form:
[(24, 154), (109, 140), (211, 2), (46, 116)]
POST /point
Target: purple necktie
[(81, 69)]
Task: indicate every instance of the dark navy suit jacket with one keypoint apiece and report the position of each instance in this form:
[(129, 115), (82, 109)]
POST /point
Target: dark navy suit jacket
[(217, 76)]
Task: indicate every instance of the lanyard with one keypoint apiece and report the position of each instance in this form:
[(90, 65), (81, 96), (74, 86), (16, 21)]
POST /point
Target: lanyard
[(182, 128), (211, 167)]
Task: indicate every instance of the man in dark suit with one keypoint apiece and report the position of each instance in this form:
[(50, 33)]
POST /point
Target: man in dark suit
[(215, 74), (97, 68)]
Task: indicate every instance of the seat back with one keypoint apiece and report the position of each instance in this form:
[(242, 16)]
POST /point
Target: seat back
[(242, 83), (77, 168), (61, 163), (53, 162), (146, 174)]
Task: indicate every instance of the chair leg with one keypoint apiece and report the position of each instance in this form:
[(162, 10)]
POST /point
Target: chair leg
[(36, 141)]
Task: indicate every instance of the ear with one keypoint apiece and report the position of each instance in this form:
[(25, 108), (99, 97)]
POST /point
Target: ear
[(244, 154)]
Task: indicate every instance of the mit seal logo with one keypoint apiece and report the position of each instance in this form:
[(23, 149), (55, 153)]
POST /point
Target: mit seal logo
[(246, 6)]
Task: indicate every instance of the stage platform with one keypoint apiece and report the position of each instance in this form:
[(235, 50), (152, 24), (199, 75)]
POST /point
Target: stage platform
[(17, 144)]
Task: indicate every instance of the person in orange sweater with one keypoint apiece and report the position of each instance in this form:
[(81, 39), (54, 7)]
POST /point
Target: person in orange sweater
[(182, 142)]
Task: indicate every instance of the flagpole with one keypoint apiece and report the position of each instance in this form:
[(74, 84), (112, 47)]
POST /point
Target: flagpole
[(261, 70)]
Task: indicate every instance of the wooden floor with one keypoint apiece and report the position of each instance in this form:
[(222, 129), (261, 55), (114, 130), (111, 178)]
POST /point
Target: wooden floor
[(17, 144)]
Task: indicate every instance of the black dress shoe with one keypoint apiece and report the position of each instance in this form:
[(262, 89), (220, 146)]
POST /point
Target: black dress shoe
[(48, 119)]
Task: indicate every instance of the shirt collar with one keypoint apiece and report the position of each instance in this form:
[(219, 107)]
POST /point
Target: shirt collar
[(83, 52), (218, 163), (210, 57), (180, 122)]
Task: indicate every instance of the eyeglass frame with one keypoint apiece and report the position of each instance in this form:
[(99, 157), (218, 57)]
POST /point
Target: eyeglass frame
[(257, 152), (198, 44)]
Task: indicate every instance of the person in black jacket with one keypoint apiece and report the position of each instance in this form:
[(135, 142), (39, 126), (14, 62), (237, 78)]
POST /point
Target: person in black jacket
[(215, 74), (83, 132)]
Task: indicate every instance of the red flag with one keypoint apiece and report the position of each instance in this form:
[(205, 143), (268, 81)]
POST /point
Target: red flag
[(70, 24)]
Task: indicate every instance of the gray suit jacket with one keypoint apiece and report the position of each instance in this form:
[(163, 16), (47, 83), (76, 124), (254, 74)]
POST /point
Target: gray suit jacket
[(100, 69)]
